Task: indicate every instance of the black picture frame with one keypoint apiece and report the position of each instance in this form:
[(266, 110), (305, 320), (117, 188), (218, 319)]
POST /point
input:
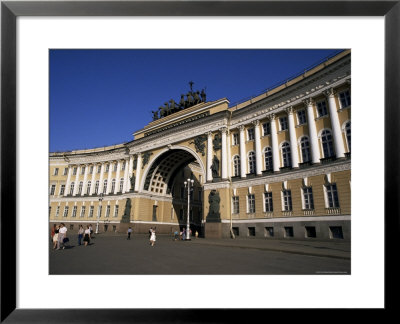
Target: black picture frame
[(10, 10)]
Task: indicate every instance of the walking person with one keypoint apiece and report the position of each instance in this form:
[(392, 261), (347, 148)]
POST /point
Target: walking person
[(62, 234), (196, 234), (153, 237), (150, 232), (80, 234), (86, 238), (129, 233), (184, 234), (55, 236)]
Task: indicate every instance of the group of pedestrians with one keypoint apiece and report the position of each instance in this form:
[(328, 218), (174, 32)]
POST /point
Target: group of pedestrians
[(182, 234), (59, 235)]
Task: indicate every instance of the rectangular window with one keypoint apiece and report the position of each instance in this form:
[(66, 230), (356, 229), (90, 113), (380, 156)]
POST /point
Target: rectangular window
[(108, 210), (308, 198), (91, 211), (266, 128), (56, 171), (288, 231), (83, 170), (62, 189), (83, 210), (115, 167), (321, 108), (235, 139), (251, 231), (344, 98), (332, 195), (65, 171), (269, 232), (336, 232), (123, 166), (52, 190), (121, 185), (250, 134), (287, 200), (58, 211), (66, 211), (74, 210), (99, 211), (91, 169), (107, 168), (74, 170), (235, 205), (268, 202), (116, 210), (283, 122), (310, 231), (251, 204), (301, 115), (98, 169), (235, 231)]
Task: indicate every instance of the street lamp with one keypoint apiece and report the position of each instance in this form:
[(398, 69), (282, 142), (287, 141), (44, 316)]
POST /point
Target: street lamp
[(189, 185), (98, 213)]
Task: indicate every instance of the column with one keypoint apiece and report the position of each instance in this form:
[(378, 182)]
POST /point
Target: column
[(257, 141), (76, 180), (209, 156), (126, 176), (117, 177), (85, 179), (93, 179), (101, 178), (312, 130), (293, 141), (242, 148), (110, 168), (337, 134), (138, 170), (224, 157), (66, 191), (274, 141), (228, 143)]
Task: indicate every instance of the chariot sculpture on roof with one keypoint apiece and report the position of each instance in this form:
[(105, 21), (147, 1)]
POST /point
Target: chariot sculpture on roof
[(192, 98)]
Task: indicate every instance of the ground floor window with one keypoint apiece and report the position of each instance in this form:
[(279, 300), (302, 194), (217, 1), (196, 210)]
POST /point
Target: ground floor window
[(336, 232), (310, 231), (251, 231), (288, 231), (269, 231)]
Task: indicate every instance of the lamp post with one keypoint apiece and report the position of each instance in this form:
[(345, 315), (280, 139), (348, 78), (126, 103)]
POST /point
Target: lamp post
[(98, 213), (189, 185)]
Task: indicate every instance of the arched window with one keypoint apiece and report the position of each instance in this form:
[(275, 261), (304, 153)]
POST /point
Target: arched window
[(252, 162), (121, 184), (113, 186), (348, 135), (236, 165), (327, 143), (286, 155), (105, 186), (96, 187), (71, 190), (80, 188), (268, 158), (89, 184), (305, 149)]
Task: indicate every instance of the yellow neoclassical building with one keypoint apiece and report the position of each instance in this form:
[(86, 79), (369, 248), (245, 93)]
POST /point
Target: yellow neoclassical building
[(275, 166)]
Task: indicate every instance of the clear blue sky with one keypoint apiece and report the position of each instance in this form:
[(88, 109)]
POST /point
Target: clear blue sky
[(100, 97)]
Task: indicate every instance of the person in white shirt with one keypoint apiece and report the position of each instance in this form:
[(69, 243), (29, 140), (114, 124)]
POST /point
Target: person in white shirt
[(62, 233)]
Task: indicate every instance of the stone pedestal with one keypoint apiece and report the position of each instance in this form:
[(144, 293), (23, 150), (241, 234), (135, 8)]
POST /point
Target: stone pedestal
[(213, 230)]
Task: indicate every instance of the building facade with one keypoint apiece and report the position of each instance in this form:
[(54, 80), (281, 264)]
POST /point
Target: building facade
[(275, 166)]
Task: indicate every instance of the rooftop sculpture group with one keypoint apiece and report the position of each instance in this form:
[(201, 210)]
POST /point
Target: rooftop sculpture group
[(170, 107)]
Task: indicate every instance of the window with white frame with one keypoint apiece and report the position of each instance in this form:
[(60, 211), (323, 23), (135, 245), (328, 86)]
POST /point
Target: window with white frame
[(344, 99), (322, 109), (104, 186), (83, 170), (116, 210), (83, 210), (115, 167), (305, 149), (121, 185), (66, 208), (252, 162), (89, 184), (62, 189), (108, 210), (268, 205), (332, 195), (308, 198), (235, 205), (65, 171), (266, 128), (112, 185), (286, 155), (327, 143), (57, 211), (56, 171), (80, 188), (74, 210), (236, 165), (74, 170), (123, 166), (91, 169), (235, 139), (348, 135), (96, 187), (287, 200), (301, 117), (268, 159), (99, 211), (107, 168), (250, 134), (52, 189), (283, 122), (251, 203), (98, 168), (71, 188), (91, 210)]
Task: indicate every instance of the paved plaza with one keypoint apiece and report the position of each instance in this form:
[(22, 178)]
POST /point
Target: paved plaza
[(114, 254)]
